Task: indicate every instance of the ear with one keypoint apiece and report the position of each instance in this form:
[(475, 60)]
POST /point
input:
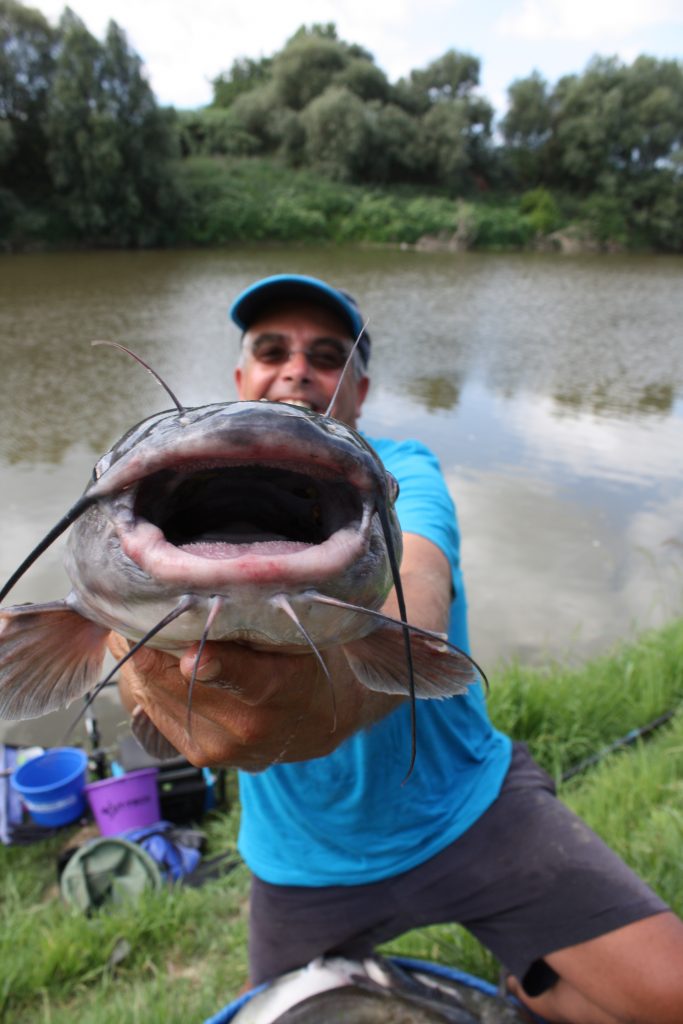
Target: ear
[(363, 386), (238, 381)]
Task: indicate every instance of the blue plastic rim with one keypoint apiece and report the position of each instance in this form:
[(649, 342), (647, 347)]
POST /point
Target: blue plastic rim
[(52, 786)]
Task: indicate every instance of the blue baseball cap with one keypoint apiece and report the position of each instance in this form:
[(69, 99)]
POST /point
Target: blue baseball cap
[(282, 288)]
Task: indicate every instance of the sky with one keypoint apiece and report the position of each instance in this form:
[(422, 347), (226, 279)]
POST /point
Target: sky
[(186, 43)]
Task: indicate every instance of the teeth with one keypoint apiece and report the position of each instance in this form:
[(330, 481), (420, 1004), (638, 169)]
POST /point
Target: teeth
[(299, 402)]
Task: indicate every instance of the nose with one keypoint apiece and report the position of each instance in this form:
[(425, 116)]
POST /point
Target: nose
[(297, 366)]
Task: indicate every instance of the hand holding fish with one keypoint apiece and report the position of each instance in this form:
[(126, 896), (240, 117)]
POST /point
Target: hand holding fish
[(256, 708), (252, 708)]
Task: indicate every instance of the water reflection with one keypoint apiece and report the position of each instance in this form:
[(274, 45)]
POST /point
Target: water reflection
[(435, 393), (653, 399), (551, 390)]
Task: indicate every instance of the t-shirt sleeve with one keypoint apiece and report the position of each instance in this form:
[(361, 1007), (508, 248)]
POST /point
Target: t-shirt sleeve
[(424, 506)]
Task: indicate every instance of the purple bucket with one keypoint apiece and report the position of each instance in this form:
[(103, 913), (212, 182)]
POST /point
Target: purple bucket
[(127, 801)]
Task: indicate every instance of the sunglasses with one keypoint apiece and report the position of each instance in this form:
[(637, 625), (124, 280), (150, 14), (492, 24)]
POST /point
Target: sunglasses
[(324, 354)]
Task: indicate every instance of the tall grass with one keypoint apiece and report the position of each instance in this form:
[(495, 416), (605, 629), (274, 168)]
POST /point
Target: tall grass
[(178, 955)]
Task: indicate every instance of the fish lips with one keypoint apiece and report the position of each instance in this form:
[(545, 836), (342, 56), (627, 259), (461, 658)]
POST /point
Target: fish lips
[(262, 563), (241, 493)]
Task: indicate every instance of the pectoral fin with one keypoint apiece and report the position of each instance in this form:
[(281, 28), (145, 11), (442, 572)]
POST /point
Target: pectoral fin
[(150, 738), (379, 661), (49, 656)]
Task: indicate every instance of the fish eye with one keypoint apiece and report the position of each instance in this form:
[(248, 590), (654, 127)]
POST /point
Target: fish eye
[(392, 488)]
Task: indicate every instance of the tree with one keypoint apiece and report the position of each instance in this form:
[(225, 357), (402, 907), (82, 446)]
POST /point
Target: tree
[(453, 76), (527, 128), (365, 80), (306, 67), (338, 133), (455, 121), (109, 144), (27, 58), (616, 119), (445, 143), (244, 75)]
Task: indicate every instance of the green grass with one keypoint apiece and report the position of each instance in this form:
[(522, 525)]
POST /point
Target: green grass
[(179, 955)]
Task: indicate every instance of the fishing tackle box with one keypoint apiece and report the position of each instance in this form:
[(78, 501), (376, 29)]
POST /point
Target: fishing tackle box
[(186, 793)]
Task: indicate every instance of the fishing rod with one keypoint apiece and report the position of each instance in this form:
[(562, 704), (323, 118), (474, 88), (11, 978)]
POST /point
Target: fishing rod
[(624, 741)]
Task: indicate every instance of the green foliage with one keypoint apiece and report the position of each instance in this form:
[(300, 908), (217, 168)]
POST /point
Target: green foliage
[(364, 80), (604, 219), (444, 130), (213, 131), (306, 67), (109, 144), (244, 75), (398, 152), (502, 227), (87, 157), (27, 54), (257, 116), (338, 133), (453, 76), (527, 127), (541, 210), (567, 714)]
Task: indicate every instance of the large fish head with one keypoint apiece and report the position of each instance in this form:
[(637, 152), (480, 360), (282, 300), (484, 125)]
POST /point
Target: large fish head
[(258, 497)]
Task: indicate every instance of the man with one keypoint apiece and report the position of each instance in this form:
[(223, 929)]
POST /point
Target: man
[(343, 856)]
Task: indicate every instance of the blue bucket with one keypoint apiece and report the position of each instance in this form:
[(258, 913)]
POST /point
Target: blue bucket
[(52, 786)]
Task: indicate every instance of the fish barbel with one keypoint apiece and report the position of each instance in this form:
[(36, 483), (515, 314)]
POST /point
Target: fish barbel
[(257, 522)]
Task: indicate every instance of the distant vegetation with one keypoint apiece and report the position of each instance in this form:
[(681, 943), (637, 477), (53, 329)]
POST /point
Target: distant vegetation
[(315, 143)]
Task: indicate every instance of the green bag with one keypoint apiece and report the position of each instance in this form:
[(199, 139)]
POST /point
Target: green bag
[(107, 871)]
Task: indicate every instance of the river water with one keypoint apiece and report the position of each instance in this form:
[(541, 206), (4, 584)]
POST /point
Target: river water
[(551, 388)]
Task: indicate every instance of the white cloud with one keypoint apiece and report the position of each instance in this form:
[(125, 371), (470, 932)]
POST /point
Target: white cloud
[(185, 46), (585, 19)]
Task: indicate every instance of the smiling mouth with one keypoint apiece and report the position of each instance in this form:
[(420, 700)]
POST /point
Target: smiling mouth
[(299, 402)]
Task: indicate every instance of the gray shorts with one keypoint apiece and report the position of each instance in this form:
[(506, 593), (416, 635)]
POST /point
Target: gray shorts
[(527, 879)]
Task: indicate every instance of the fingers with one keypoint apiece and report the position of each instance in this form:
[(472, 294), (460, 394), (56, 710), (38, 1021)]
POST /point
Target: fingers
[(249, 708), (253, 677)]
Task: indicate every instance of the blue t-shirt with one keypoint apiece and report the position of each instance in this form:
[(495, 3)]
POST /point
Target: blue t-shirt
[(346, 819)]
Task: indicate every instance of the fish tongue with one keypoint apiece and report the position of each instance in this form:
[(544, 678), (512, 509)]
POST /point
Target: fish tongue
[(222, 550)]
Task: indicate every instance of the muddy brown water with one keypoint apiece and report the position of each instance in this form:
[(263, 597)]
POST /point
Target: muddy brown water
[(551, 388)]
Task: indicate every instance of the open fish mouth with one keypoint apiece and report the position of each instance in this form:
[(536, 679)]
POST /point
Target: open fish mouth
[(228, 511), (217, 522)]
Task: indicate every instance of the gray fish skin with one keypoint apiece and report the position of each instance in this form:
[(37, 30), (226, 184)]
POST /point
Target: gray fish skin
[(356, 1006), (335, 990), (265, 514)]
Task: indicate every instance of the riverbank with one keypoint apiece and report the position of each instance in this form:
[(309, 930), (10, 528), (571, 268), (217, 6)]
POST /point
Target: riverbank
[(179, 955), (223, 200)]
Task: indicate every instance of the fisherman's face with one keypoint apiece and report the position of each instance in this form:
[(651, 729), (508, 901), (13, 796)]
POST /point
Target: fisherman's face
[(296, 354)]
